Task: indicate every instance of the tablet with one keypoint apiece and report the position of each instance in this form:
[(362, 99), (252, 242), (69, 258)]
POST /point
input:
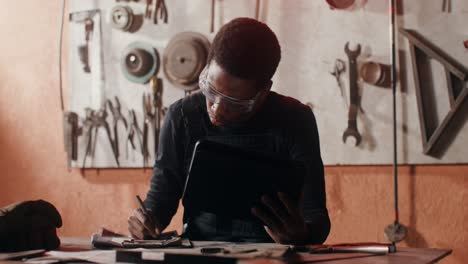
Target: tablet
[(229, 181)]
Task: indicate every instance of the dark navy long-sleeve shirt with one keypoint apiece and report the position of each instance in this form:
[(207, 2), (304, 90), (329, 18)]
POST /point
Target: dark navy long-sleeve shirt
[(287, 128)]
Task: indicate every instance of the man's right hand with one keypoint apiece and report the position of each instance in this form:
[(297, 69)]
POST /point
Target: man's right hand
[(141, 226)]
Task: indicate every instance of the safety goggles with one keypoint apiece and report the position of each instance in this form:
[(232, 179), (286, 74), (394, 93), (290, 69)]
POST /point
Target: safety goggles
[(215, 97)]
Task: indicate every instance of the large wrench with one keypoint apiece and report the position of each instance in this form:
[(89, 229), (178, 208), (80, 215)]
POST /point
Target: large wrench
[(352, 129)]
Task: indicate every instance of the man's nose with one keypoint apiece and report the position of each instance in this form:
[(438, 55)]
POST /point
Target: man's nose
[(217, 108)]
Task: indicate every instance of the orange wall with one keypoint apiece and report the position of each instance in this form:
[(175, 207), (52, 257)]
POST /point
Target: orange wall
[(433, 199)]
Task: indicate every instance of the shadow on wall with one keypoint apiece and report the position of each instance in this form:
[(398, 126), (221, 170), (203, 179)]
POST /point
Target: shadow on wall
[(115, 176), (414, 237), (13, 164)]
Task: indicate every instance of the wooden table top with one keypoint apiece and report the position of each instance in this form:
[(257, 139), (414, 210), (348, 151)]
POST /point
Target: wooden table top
[(82, 247)]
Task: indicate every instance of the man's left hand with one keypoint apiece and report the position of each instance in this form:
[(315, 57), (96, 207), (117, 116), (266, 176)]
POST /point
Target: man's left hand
[(283, 219)]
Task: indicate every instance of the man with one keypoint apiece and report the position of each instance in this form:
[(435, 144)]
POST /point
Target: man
[(235, 106), (29, 225)]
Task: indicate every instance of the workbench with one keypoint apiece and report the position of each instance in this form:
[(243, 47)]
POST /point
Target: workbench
[(82, 248)]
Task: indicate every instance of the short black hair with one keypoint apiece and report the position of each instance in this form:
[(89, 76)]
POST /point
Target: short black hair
[(247, 49)]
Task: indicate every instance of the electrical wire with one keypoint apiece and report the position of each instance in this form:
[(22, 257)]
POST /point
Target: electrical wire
[(60, 56)]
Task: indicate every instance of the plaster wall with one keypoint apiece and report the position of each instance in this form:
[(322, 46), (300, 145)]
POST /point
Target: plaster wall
[(312, 37)]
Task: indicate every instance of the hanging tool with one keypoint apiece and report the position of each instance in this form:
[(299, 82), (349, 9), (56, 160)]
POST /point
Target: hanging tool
[(447, 6), (92, 21), (149, 123), (375, 73), (133, 130), (352, 129), (212, 16), (93, 121), (156, 84), (84, 50), (184, 58), (122, 18), (86, 18), (257, 9), (338, 69), (140, 61), (88, 131), (89, 27), (161, 10), (148, 10), (71, 131), (117, 115)]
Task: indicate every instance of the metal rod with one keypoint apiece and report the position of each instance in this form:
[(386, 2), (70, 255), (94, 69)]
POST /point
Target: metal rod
[(394, 81)]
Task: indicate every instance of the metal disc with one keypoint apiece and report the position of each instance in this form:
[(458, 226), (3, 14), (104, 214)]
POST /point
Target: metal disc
[(122, 18), (139, 62), (184, 59)]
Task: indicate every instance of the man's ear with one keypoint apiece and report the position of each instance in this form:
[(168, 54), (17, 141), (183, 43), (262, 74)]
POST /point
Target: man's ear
[(265, 91)]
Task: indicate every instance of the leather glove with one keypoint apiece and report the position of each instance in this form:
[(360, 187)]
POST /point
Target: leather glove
[(29, 225)]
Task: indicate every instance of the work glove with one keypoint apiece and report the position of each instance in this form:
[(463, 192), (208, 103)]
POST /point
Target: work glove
[(29, 225)]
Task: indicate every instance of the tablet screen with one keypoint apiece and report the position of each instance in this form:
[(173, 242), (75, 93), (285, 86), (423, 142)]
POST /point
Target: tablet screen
[(229, 181)]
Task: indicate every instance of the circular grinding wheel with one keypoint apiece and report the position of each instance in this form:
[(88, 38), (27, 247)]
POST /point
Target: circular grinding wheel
[(184, 58), (139, 62), (122, 18)]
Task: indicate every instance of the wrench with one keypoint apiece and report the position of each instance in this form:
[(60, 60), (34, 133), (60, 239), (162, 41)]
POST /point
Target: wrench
[(352, 129)]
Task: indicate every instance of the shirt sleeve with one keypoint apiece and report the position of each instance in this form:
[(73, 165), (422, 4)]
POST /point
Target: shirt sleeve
[(168, 172), (305, 147)]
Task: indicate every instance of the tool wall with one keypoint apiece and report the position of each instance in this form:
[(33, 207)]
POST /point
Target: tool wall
[(126, 66)]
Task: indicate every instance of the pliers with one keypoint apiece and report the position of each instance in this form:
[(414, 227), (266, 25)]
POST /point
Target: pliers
[(161, 10), (149, 123), (148, 9), (157, 87), (94, 120), (133, 130), (117, 115)]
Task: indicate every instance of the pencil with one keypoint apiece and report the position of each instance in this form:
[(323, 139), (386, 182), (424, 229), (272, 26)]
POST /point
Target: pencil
[(142, 206)]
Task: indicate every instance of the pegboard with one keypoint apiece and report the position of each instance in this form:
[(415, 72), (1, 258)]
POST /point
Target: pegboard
[(312, 37)]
